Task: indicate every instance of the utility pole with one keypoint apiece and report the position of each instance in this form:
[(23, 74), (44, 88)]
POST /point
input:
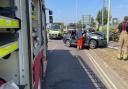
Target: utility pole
[(83, 22), (103, 5), (76, 12), (108, 23)]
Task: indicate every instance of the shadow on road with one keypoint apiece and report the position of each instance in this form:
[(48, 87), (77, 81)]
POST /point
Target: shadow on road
[(65, 72), (93, 77)]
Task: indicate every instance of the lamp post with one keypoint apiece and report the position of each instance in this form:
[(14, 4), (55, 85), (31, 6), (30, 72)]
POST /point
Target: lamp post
[(83, 22), (103, 5), (76, 12), (108, 23)]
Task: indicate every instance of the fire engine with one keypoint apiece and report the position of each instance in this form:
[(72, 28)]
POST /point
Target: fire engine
[(23, 42)]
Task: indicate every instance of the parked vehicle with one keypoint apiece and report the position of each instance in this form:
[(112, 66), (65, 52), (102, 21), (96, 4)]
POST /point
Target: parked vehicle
[(56, 31), (91, 39)]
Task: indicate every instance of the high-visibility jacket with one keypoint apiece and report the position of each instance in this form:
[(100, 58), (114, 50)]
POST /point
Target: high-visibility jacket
[(80, 41)]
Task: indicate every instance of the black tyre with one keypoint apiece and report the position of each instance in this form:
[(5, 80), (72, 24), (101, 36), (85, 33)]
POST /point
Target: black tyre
[(68, 44), (93, 44)]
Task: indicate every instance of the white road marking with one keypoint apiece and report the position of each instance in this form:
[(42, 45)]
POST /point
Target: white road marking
[(101, 72), (88, 73)]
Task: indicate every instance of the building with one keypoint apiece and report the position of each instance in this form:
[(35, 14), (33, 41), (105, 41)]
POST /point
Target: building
[(87, 19)]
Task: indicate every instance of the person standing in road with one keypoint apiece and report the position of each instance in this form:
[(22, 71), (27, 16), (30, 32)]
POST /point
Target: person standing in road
[(80, 39), (123, 39)]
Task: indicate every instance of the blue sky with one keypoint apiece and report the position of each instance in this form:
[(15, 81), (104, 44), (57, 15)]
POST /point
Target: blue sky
[(68, 11)]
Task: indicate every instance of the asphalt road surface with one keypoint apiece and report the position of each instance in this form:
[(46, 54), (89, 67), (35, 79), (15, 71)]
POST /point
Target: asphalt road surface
[(65, 70)]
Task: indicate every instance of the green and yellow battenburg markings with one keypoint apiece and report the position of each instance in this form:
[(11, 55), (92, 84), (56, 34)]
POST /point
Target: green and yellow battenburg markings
[(6, 22), (6, 49)]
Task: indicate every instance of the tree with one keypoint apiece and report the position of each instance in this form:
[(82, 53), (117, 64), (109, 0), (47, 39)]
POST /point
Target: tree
[(80, 24), (93, 24), (99, 16), (72, 25)]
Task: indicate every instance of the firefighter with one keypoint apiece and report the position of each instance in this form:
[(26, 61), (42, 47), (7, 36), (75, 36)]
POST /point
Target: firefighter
[(79, 40), (123, 39)]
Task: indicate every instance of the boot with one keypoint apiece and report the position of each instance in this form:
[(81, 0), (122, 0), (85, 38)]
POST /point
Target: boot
[(125, 57), (119, 56)]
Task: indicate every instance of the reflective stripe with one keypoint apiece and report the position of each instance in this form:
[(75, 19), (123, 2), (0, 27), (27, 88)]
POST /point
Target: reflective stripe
[(8, 22), (6, 49)]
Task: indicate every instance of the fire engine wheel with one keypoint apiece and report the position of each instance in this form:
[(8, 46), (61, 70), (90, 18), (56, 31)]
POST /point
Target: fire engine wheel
[(68, 44), (41, 77), (93, 44)]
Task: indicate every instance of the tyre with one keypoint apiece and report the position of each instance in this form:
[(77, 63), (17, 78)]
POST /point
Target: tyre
[(68, 44), (93, 44)]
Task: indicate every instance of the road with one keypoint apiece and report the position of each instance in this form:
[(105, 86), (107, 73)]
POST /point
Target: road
[(67, 70)]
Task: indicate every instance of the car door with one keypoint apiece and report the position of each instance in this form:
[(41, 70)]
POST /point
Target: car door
[(86, 39), (73, 39)]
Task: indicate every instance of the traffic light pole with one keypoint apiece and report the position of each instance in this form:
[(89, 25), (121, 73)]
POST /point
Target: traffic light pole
[(108, 23)]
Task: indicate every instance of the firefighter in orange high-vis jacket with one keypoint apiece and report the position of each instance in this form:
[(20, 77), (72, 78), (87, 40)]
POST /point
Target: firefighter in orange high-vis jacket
[(123, 39), (80, 39), (80, 42)]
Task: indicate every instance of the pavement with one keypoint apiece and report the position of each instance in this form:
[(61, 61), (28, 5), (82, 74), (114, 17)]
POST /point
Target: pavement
[(66, 70), (105, 62), (113, 45)]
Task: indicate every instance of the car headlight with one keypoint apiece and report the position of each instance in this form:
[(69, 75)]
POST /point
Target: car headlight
[(100, 37)]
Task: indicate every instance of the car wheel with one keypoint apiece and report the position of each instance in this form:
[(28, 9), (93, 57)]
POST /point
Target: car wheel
[(68, 44), (93, 44)]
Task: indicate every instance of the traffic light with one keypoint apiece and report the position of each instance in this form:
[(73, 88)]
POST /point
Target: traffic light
[(50, 19), (50, 12)]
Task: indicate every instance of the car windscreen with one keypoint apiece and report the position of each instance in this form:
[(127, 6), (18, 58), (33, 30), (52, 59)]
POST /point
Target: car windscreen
[(55, 27), (89, 30)]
